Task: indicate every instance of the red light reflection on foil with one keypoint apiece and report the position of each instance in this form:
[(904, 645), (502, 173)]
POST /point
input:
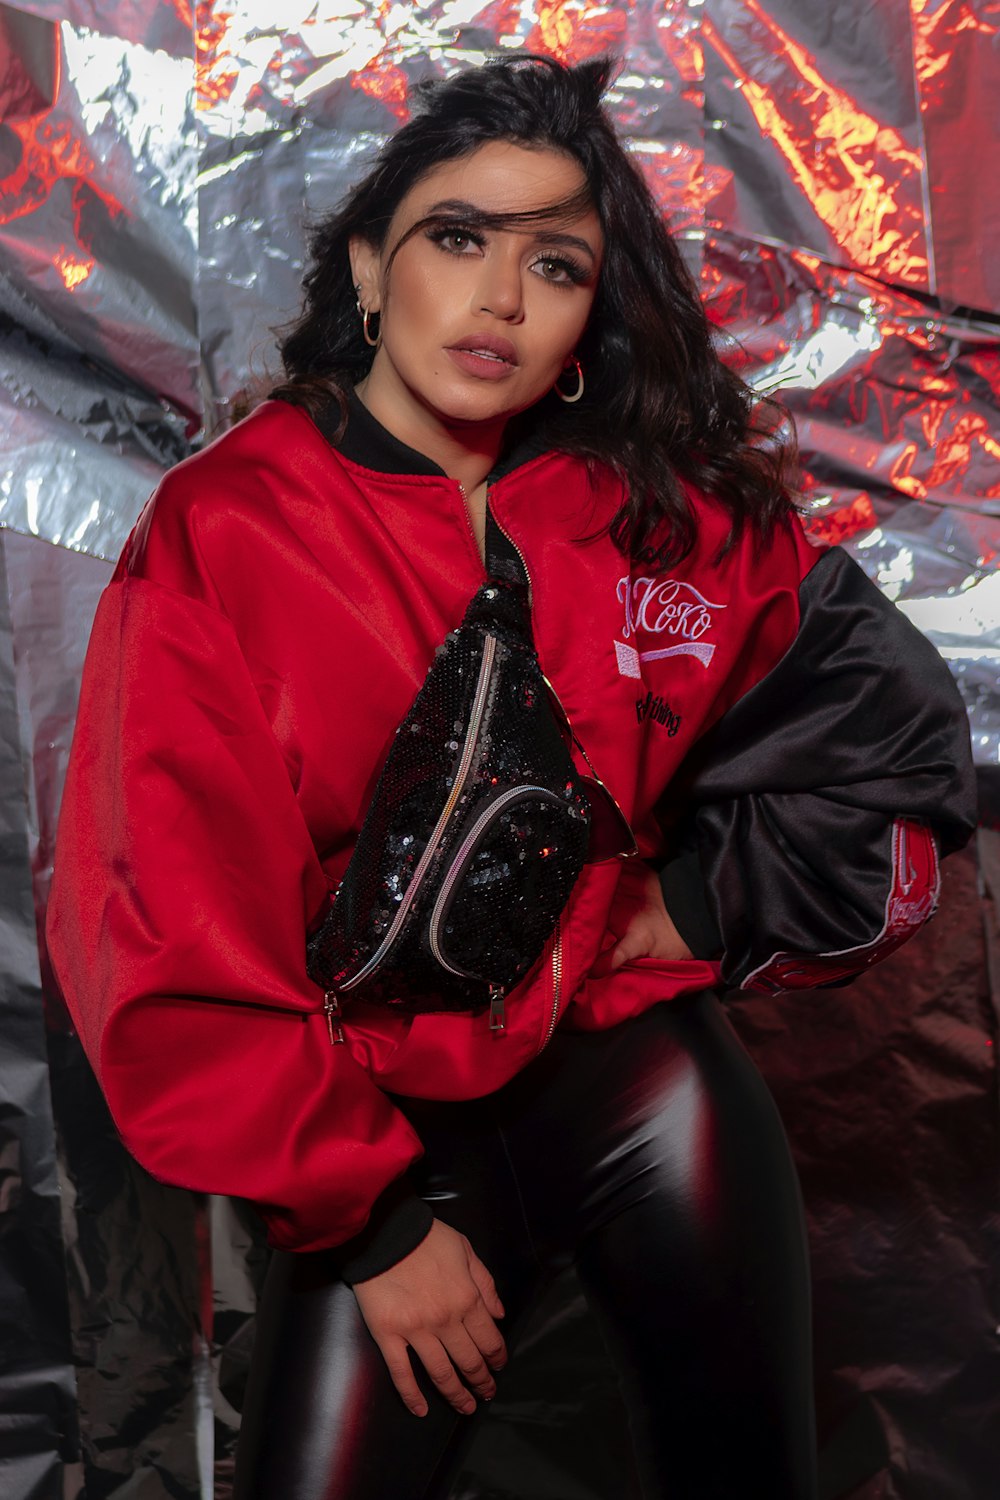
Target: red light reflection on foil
[(573, 31), (50, 153), (502, 18), (214, 83), (835, 526), (71, 268), (853, 183), (935, 24), (676, 179), (952, 453), (386, 82), (757, 291), (681, 42)]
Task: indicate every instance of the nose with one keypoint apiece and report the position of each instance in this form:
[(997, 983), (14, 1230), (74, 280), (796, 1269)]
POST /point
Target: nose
[(500, 290)]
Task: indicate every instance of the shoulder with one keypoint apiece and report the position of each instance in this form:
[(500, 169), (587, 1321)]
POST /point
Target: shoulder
[(242, 470), (780, 555), (239, 485)]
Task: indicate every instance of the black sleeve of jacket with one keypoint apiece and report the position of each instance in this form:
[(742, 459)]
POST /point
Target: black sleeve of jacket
[(686, 897), (399, 1221), (789, 808)]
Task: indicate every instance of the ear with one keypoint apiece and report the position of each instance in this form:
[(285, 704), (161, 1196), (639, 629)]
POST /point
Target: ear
[(366, 272)]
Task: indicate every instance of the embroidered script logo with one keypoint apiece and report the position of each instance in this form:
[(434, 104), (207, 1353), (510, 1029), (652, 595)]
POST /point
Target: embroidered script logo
[(664, 607), (658, 711)]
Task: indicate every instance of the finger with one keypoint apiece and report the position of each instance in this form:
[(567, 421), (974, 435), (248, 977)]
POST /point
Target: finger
[(435, 1360), (485, 1285), (480, 1322), (487, 1337), (468, 1360), (602, 963), (635, 943), (397, 1360)]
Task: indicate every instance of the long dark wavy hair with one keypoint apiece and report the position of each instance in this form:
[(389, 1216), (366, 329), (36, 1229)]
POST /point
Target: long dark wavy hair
[(660, 407)]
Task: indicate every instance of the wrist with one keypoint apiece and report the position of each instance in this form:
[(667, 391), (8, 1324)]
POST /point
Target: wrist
[(399, 1222)]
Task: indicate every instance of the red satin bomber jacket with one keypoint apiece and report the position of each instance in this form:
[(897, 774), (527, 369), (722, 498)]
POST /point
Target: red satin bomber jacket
[(270, 620)]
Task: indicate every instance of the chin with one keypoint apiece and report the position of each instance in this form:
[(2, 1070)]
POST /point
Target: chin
[(469, 407)]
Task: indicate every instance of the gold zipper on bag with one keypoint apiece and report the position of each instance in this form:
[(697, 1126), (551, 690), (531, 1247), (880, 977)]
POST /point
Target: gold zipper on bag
[(557, 974)]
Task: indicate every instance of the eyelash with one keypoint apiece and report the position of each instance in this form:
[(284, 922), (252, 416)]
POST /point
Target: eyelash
[(576, 273)]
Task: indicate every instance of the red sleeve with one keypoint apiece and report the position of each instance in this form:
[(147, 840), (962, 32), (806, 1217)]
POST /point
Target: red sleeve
[(184, 879)]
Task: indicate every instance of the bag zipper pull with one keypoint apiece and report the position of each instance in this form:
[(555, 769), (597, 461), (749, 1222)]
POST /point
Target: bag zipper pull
[(331, 1009), (498, 1019)]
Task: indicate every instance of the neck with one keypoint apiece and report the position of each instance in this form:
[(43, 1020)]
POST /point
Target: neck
[(466, 451)]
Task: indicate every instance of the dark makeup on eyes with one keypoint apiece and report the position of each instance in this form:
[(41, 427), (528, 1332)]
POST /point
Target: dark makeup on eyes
[(459, 217)]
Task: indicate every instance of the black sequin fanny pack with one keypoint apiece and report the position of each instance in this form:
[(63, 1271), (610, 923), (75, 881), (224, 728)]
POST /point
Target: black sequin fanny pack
[(478, 829)]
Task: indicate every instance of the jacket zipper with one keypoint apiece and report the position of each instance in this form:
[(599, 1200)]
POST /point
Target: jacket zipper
[(331, 1000), (331, 1003), (557, 945), (557, 973), (468, 518), (461, 776), (556, 957), (548, 684)]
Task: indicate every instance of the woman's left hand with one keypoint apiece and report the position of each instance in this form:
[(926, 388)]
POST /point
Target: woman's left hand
[(640, 922)]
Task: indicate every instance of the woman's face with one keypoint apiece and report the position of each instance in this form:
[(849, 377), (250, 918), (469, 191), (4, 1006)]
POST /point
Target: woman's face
[(477, 325)]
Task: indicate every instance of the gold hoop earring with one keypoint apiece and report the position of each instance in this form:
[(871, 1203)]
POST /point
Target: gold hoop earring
[(579, 386), (373, 342)]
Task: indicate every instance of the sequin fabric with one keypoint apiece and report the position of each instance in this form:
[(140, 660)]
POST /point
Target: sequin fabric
[(477, 831)]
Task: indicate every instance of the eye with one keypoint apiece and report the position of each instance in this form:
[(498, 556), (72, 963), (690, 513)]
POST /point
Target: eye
[(454, 239), (560, 270)]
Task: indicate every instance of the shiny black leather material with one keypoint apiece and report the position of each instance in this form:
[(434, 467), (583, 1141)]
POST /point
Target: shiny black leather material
[(652, 1157)]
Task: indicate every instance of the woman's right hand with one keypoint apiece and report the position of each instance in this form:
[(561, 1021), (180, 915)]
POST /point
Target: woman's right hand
[(440, 1300)]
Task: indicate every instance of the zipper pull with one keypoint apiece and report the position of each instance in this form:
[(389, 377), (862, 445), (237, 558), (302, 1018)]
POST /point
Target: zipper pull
[(498, 1019), (331, 1009)]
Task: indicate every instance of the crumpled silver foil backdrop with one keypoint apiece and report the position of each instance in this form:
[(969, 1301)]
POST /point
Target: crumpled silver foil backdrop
[(831, 169)]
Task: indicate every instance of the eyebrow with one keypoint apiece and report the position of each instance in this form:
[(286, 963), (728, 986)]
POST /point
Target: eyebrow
[(461, 208)]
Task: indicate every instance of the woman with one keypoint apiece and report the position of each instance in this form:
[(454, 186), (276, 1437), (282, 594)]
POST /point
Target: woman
[(501, 355)]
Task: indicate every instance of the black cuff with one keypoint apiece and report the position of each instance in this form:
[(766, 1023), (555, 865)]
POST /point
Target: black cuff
[(399, 1221), (684, 896)]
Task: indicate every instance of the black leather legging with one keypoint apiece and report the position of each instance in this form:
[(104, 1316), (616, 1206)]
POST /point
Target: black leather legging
[(650, 1156)]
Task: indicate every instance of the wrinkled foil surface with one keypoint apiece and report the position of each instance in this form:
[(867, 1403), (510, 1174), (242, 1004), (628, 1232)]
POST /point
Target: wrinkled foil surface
[(830, 167)]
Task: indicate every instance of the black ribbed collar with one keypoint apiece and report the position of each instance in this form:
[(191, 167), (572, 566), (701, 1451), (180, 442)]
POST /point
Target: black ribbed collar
[(366, 442)]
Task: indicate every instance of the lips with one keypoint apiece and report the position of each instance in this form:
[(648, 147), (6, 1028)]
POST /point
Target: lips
[(488, 346)]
